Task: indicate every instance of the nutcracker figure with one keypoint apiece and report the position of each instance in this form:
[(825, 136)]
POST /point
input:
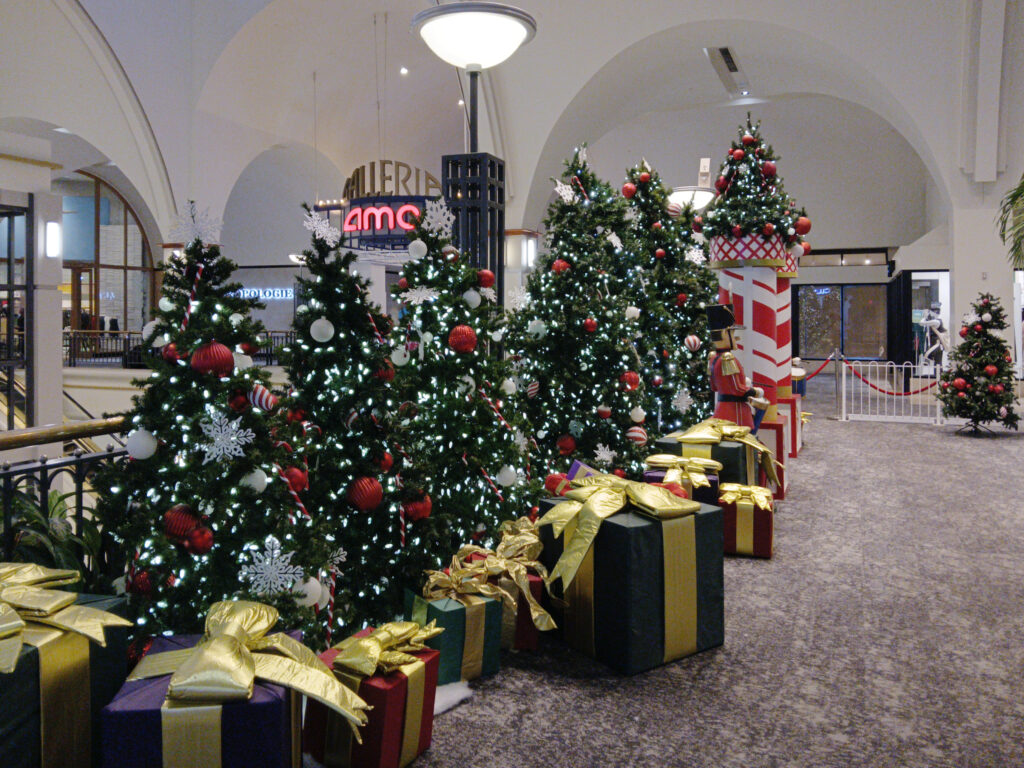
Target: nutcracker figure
[(728, 381)]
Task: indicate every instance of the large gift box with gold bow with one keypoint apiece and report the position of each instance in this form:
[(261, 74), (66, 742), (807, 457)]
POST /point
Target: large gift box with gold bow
[(229, 698), (639, 570), (392, 671), (744, 458), (62, 658), (747, 519)]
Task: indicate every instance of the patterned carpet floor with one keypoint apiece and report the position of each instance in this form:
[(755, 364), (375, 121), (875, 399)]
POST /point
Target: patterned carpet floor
[(888, 630)]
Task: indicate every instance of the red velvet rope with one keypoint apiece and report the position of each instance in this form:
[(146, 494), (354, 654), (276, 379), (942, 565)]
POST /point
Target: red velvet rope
[(885, 391), (822, 368)]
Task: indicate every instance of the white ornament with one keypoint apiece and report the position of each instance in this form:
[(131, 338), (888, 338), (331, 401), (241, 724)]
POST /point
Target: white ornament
[(696, 255), (498, 335), (236, 319), (537, 328), (507, 476), (418, 249), (490, 294), (309, 593), (632, 313), (438, 218), (271, 570), (141, 444), (603, 454), (400, 357), (508, 387), (321, 329), (518, 298), (226, 437), (522, 441), (1003, 412), (257, 480), (193, 224), (564, 191), (638, 415), (615, 240), (971, 318), (298, 311), (472, 298), (337, 557), (986, 317), (149, 329), (583, 155), (790, 231), (321, 228), (682, 401), (242, 361), (165, 304), (796, 250), (465, 385), (420, 295)]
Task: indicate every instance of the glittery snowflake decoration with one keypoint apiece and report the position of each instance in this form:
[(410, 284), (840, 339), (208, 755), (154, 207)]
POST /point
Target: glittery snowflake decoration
[(615, 240), (419, 295), (682, 401), (696, 256), (698, 238), (489, 293), (583, 154), (603, 454), (576, 428), (564, 191), (518, 298), (438, 218), (522, 441), (971, 318), (193, 224), (633, 215), (227, 438), (336, 559), (271, 570), (321, 228), (537, 328)]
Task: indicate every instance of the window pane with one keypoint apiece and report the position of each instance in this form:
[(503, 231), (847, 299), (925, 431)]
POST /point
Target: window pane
[(79, 206), (112, 215), (813, 259), (864, 321), (820, 316), (138, 300), (134, 244)]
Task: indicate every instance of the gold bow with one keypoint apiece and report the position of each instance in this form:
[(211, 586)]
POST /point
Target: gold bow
[(713, 431), (734, 492), (594, 499), (805, 416), (695, 467), (386, 650), (461, 580), (235, 650), (515, 556), (27, 594)]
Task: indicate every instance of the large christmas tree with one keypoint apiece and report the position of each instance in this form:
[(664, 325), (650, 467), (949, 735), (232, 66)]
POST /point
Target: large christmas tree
[(469, 448), (582, 372), (979, 385), (672, 286), (201, 509)]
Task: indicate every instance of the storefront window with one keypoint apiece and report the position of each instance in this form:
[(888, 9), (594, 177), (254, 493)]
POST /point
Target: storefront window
[(864, 321), (850, 318), (929, 301), (820, 319)]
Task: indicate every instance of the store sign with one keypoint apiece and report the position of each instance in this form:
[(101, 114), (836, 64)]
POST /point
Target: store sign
[(381, 218), (822, 291), (267, 294), (390, 177)]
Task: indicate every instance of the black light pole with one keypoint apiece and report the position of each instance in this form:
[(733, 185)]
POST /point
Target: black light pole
[(474, 77)]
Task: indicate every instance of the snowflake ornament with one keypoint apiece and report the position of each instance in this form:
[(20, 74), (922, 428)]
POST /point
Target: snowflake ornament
[(193, 224), (337, 557), (321, 228), (438, 218), (632, 215), (583, 154), (576, 428), (490, 294), (971, 318), (227, 438), (696, 256), (682, 401), (615, 240), (603, 454), (518, 298), (271, 570), (564, 191), (522, 441), (419, 295)]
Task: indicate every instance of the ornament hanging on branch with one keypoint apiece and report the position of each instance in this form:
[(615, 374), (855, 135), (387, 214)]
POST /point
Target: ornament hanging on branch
[(213, 358), (227, 438), (271, 570), (365, 493)]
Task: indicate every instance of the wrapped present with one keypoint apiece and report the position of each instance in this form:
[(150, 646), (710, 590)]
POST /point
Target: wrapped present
[(747, 519), (698, 476), (468, 607), (738, 451), (396, 674), (579, 470), (62, 657), (514, 567), (799, 376), (640, 571), (557, 483), (231, 697)]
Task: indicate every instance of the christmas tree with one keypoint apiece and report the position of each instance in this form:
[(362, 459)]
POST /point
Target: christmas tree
[(336, 419), (455, 422), (575, 334), (674, 287), (979, 385), (201, 507)]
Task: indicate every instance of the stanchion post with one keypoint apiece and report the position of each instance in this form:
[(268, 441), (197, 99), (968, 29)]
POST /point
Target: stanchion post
[(836, 368)]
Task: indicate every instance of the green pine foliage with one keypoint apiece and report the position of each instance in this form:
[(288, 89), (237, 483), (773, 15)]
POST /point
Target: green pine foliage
[(337, 419), (674, 288), (583, 371), (170, 586), (470, 449), (979, 385)]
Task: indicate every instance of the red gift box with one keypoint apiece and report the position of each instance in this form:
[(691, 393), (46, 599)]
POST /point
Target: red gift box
[(747, 524), (524, 635), (390, 739)]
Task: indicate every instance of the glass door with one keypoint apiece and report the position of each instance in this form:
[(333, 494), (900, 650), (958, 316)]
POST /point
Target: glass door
[(16, 241)]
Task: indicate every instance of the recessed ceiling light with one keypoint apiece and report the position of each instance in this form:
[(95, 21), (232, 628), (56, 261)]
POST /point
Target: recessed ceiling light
[(461, 103), (744, 93), (61, 130), (403, 71)]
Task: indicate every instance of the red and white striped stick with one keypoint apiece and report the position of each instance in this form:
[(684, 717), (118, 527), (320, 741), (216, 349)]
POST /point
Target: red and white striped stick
[(376, 332), (191, 298), (295, 497), (494, 408), (333, 576), (497, 491)]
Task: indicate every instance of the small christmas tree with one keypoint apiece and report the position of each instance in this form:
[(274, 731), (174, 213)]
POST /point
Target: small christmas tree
[(979, 385), (201, 507), (575, 334), (469, 449), (674, 287)]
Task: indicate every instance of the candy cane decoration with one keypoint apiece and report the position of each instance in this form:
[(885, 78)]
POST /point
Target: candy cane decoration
[(191, 298), (333, 576), (494, 408), (262, 398), (380, 339), (401, 524), (294, 494), (497, 491), (578, 183)]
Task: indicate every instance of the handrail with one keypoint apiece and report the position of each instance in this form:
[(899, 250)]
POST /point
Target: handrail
[(21, 438)]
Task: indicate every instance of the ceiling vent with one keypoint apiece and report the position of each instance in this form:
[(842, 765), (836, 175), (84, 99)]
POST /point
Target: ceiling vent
[(728, 70)]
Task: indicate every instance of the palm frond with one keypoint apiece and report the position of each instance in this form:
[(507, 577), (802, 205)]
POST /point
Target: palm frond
[(1011, 223)]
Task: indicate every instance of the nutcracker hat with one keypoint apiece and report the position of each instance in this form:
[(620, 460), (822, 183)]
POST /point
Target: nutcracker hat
[(721, 318)]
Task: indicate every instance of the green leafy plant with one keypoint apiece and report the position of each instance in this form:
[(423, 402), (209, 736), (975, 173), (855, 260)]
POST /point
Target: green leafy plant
[(1011, 223)]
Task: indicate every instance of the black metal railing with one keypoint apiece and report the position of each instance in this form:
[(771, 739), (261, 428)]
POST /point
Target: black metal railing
[(125, 349)]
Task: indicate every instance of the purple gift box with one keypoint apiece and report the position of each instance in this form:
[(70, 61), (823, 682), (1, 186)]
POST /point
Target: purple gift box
[(579, 470), (704, 494), (254, 733)]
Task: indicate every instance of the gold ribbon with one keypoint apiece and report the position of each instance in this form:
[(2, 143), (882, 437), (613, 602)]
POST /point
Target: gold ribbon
[(714, 431), (223, 666), (745, 498), (680, 469), (805, 416)]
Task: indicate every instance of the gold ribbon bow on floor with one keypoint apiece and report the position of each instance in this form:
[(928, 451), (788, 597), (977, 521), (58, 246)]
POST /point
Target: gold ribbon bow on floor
[(514, 557), (679, 468), (596, 498), (27, 594), (714, 431), (805, 417), (730, 493)]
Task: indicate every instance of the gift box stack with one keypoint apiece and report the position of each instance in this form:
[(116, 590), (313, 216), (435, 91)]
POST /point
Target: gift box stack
[(745, 460)]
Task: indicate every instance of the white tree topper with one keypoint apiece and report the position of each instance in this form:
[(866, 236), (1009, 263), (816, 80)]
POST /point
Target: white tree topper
[(193, 224), (271, 570), (321, 228), (438, 218), (226, 437)]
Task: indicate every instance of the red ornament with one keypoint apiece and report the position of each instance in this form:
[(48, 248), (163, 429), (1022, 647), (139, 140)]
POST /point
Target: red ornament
[(681, 299), (999, 389), (945, 385), (387, 373), (698, 224), (462, 339), (1007, 358), (170, 353), (769, 169), (961, 394), (419, 509), (692, 342), (738, 154), (403, 284), (657, 381), (721, 184), (660, 253), (991, 370), (806, 246), (534, 512), (645, 177), (179, 520), (959, 382), (566, 444), (963, 332), (802, 225), (365, 493), (213, 358), (991, 388), (199, 541), (984, 302), (768, 230), (619, 472), (664, 353), (604, 411), (262, 398), (295, 415), (747, 139), (485, 278), (238, 402), (656, 225), (297, 477), (559, 266), (737, 231), (385, 462), (637, 434), (631, 379), (249, 348), (141, 584), (556, 483), (590, 325), (978, 327), (628, 189)]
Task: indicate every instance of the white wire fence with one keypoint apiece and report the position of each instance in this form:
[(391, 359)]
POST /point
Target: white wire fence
[(884, 391)]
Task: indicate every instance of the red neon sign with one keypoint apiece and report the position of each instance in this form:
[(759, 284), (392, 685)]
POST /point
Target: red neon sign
[(381, 218)]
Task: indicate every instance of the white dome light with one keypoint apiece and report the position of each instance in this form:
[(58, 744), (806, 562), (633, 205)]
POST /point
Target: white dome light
[(474, 35), (698, 197)]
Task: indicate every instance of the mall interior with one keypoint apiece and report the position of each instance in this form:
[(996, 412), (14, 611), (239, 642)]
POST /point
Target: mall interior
[(885, 629)]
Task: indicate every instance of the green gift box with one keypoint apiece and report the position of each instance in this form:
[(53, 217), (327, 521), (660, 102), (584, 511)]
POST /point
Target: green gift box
[(470, 645), (743, 457)]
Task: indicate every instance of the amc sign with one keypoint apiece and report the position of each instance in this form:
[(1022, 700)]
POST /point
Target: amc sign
[(381, 218)]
